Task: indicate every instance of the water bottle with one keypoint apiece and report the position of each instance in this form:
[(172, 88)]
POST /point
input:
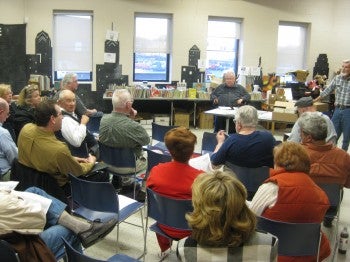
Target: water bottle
[(343, 241)]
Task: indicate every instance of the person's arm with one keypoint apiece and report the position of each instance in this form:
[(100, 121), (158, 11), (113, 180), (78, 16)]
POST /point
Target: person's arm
[(219, 157), (8, 147), (329, 89), (295, 133), (245, 96), (72, 131), (265, 197), (66, 163)]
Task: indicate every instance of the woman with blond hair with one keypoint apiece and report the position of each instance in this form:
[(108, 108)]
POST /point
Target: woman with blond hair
[(28, 99), (223, 226), (290, 195), (175, 178), (6, 94)]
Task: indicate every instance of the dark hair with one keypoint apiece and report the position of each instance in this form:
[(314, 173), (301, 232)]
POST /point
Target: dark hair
[(44, 111)]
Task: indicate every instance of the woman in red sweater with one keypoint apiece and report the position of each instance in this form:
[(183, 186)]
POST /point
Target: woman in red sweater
[(175, 178)]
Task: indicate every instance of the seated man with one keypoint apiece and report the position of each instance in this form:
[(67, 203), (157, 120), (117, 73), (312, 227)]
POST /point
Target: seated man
[(228, 94), (73, 130), (329, 164), (8, 148), (70, 82), (34, 212), (39, 149), (119, 129), (248, 147), (305, 104)]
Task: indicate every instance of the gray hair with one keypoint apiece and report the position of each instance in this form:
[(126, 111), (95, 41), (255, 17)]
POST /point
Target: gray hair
[(68, 78), (120, 98), (62, 95), (347, 61), (247, 116), (313, 124), (228, 73)]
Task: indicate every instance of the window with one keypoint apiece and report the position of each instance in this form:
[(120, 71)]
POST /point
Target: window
[(152, 47), (72, 44), (291, 50), (222, 45)]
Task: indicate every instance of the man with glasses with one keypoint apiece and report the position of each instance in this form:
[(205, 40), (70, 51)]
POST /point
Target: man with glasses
[(70, 82), (38, 148), (119, 129), (228, 94)]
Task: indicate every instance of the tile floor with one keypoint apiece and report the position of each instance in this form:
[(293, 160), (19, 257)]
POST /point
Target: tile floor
[(131, 238)]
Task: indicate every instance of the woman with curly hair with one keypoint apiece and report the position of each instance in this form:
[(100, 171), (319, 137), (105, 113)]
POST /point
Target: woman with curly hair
[(223, 226), (290, 195)]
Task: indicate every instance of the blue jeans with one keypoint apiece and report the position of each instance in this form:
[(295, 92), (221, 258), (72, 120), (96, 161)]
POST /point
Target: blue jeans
[(341, 121), (53, 232)]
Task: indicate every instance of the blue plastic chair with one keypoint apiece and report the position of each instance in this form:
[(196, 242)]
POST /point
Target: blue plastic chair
[(119, 158), (208, 142), (76, 256), (98, 201), (167, 211), (94, 124), (294, 239), (7, 252), (159, 131), (251, 177), (154, 158)]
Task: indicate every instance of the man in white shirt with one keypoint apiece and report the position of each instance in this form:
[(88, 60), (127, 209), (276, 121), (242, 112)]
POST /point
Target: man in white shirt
[(74, 129)]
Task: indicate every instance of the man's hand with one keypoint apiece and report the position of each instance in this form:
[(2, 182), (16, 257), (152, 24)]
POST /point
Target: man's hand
[(220, 136), (132, 113), (239, 101), (215, 101), (84, 119)]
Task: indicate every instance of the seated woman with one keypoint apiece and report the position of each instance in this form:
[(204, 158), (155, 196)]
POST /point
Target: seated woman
[(223, 227), (290, 195), (6, 93), (174, 179), (28, 99)]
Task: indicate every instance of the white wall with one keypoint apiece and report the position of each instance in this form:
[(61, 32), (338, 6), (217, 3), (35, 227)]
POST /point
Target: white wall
[(329, 31)]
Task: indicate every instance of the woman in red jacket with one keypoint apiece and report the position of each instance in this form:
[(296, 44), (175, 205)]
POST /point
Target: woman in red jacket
[(174, 179), (290, 195)]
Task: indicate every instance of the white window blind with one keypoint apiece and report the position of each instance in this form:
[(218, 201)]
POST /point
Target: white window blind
[(292, 42), (72, 47)]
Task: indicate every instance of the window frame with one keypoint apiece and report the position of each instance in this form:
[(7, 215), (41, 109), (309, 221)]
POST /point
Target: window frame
[(235, 37), (148, 52), (281, 66), (85, 75)]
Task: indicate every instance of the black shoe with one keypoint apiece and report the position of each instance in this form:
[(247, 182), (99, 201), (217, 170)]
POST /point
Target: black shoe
[(96, 232)]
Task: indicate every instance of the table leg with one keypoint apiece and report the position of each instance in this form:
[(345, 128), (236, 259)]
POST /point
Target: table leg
[(194, 113), (171, 113), (227, 124)]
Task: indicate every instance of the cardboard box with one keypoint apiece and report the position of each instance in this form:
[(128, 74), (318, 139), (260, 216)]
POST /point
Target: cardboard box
[(322, 107), (206, 121), (182, 119), (162, 120), (284, 112)]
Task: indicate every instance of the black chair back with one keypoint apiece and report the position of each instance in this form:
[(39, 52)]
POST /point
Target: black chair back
[(251, 177), (7, 252)]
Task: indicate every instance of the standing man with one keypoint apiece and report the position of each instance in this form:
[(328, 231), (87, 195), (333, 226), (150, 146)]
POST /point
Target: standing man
[(341, 116), (306, 104), (119, 129), (8, 148), (228, 94), (70, 82)]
